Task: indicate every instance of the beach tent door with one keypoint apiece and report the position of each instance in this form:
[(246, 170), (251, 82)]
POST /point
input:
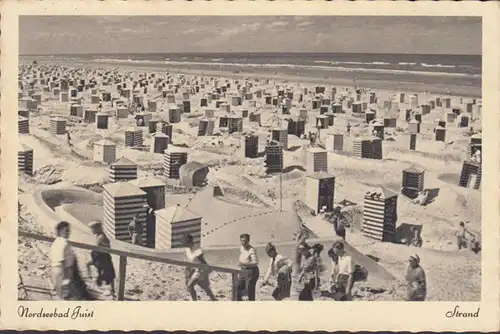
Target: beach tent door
[(472, 181)]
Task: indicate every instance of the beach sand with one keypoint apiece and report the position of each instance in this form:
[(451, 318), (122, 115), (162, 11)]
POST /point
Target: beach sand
[(451, 275)]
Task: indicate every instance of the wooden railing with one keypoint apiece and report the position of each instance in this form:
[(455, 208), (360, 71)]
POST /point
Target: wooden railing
[(122, 267)]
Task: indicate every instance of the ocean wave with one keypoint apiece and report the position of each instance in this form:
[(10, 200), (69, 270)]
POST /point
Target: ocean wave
[(437, 65), (295, 66)]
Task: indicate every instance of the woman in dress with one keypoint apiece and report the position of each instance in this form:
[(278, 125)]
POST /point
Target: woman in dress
[(196, 276), (415, 277), (281, 267), (249, 262), (309, 267), (102, 261)]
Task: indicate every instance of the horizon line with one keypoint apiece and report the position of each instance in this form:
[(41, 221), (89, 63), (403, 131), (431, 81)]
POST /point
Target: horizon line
[(247, 52)]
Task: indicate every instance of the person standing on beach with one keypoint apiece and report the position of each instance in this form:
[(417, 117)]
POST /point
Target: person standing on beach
[(462, 233), (249, 262), (135, 230), (196, 276), (415, 277), (68, 139), (281, 267), (66, 277), (101, 260), (309, 267), (343, 268), (339, 223)]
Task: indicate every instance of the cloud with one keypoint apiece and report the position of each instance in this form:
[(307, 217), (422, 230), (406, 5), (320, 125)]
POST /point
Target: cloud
[(277, 24), (304, 23), (243, 28), (108, 34)]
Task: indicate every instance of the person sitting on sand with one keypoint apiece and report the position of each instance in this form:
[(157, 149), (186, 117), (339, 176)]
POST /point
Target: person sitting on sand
[(477, 156), (196, 276), (343, 268), (417, 240), (66, 277), (462, 233), (281, 267), (421, 198), (415, 277), (101, 260), (135, 230)]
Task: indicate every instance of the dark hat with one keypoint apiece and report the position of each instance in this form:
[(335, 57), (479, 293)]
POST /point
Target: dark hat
[(270, 247), (305, 246), (338, 244), (61, 225)]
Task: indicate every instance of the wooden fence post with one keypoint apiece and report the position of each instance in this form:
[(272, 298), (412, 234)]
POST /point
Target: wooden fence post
[(235, 286), (122, 273)]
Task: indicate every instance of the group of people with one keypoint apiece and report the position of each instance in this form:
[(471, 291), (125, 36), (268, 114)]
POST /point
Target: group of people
[(304, 269), (66, 277)]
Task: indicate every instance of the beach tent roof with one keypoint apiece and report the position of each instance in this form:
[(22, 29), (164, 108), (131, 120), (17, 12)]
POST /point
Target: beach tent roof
[(176, 213), (105, 142), (24, 148), (160, 135), (414, 169), (123, 189), (321, 175), (384, 192), (148, 182), (124, 162), (476, 136)]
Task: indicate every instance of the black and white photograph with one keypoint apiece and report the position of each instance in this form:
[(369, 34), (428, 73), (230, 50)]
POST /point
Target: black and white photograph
[(259, 158)]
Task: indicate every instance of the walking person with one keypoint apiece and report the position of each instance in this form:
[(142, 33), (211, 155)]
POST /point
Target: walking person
[(462, 240), (68, 139), (415, 277), (135, 230), (348, 129), (339, 223), (281, 267), (196, 276), (66, 277), (343, 269), (309, 268), (102, 261), (249, 262)]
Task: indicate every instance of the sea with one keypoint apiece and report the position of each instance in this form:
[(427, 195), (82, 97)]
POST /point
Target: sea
[(446, 65)]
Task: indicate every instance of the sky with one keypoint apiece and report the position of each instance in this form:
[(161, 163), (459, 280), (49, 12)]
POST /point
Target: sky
[(200, 34)]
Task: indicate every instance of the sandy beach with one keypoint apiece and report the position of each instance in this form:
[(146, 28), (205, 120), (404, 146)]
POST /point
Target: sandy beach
[(436, 83), (248, 191)]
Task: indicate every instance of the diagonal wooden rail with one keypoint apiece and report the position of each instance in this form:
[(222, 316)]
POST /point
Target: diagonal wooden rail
[(122, 268)]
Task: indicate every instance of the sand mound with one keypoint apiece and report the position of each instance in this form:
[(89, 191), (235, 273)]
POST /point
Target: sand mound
[(49, 174), (81, 175)]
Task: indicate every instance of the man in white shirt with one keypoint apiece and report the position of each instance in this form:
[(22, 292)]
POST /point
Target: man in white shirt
[(343, 268), (62, 260)]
